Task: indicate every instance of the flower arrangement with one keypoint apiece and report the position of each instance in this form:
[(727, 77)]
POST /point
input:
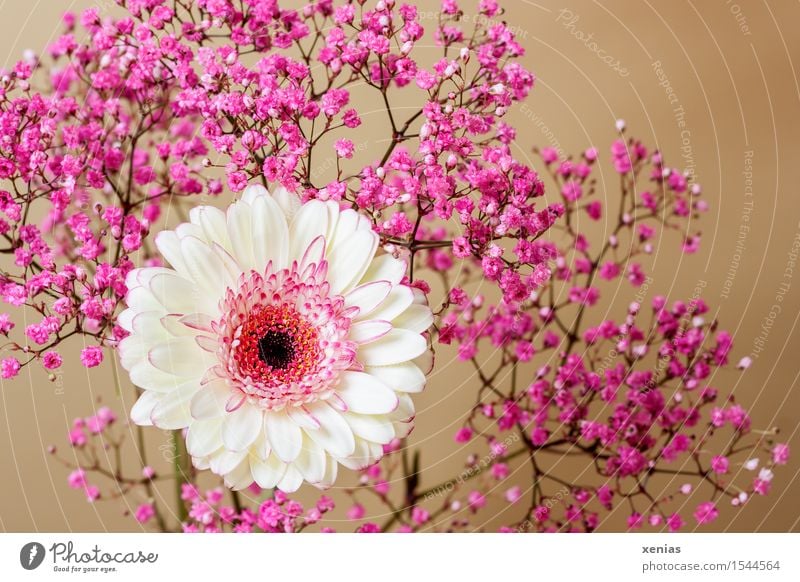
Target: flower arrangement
[(180, 188)]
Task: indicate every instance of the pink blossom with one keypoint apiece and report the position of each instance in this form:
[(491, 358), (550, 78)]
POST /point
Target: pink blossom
[(92, 356), (145, 512), (9, 367)]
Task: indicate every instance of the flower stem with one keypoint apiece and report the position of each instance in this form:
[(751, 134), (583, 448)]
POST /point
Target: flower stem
[(180, 474)]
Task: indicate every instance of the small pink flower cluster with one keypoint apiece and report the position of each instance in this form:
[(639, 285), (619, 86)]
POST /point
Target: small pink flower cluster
[(633, 398), (133, 115), (278, 514)]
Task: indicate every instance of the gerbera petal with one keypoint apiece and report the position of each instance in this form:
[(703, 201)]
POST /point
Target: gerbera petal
[(367, 297), (363, 332), (310, 222), (291, 480), (366, 394), (240, 233), (240, 477), (398, 301), (241, 427), (288, 201), (331, 471), (270, 233), (403, 377), (210, 400), (212, 221), (351, 258), (334, 434), (179, 295), (374, 428), (169, 245), (399, 345), (416, 318), (143, 299), (385, 268), (207, 269), (311, 461), (224, 461), (254, 192), (142, 411), (172, 410), (269, 472), (144, 375), (284, 435), (180, 356), (364, 455), (204, 437)]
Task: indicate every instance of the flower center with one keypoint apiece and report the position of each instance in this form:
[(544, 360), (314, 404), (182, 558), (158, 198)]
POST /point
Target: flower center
[(276, 349), (284, 337), (277, 343)]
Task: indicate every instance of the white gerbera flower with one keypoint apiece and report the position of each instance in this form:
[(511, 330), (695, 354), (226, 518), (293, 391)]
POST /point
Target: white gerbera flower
[(278, 339)]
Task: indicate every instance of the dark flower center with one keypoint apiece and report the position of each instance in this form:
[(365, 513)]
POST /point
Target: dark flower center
[(276, 349)]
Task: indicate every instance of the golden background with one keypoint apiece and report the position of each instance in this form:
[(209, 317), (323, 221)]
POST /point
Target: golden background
[(712, 84)]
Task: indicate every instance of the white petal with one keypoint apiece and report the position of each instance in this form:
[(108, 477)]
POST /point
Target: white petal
[(240, 477), (310, 222), (267, 473), (172, 410), (291, 480), (365, 394), (132, 350), (180, 356), (314, 254), (395, 347), (261, 447), (284, 435), (270, 233), (172, 323), (187, 229), (398, 301), (207, 269), (416, 318), (288, 201), (210, 400), (367, 297), (253, 193), (241, 427), (240, 233), (142, 299), (212, 221), (377, 429), (331, 470), (405, 409), (350, 260), (204, 437), (180, 296), (405, 377), (142, 411), (311, 461), (144, 375), (302, 418), (169, 245), (363, 332), (364, 455), (334, 434), (385, 268), (225, 461)]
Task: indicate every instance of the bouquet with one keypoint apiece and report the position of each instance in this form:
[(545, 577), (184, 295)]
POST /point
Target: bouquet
[(188, 189)]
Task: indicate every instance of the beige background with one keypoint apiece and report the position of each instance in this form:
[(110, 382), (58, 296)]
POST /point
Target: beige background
[(732, 69)]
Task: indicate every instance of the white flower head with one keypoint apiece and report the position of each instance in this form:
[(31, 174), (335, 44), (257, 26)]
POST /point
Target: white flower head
[(278, 339)]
